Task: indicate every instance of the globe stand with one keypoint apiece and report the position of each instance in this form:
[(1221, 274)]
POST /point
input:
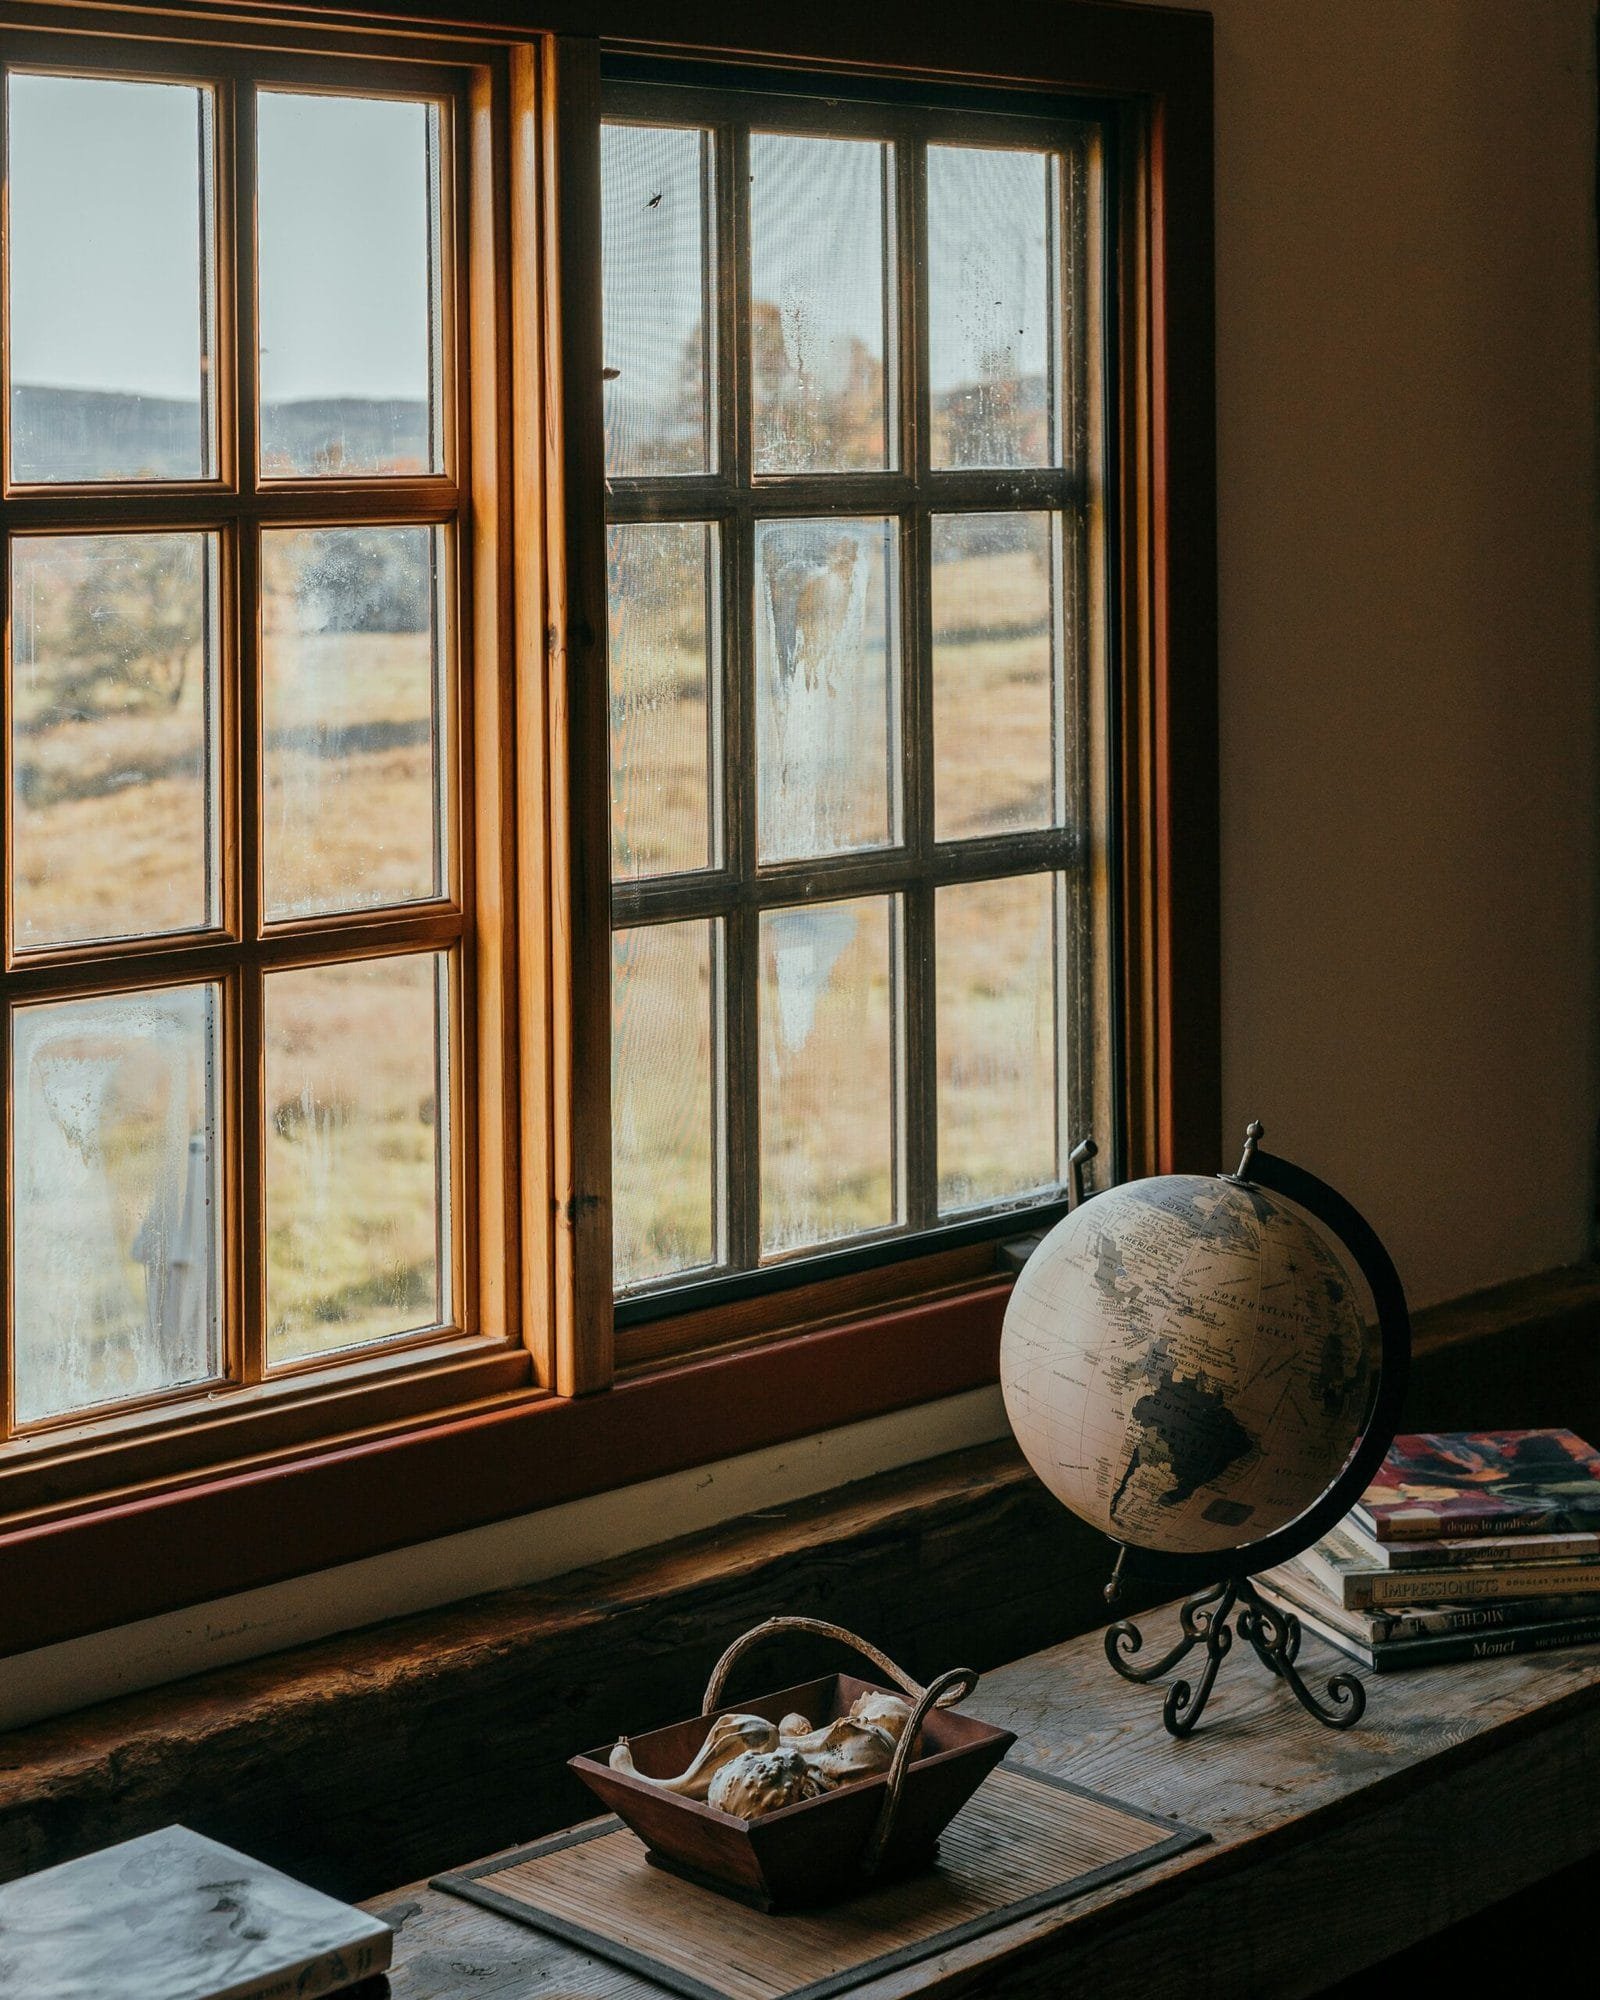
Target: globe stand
[(1274, 1635)]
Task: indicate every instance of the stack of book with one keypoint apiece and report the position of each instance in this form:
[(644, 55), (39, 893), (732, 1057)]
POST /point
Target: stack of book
[(1466, 1545)]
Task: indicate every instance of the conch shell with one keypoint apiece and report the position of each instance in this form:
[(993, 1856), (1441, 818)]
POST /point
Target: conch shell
[(729, 1737), (759, 1781), (748, 1766), (844, 1749), (890, 1712)]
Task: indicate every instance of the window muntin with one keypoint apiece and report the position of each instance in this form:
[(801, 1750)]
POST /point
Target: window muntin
[(900, 509), (237, 894)]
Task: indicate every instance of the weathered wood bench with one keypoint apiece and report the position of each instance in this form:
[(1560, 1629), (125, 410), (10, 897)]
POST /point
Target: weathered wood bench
[(1329, 1851)]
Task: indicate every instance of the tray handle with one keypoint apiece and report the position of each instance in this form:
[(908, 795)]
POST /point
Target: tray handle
[(944, 1692)]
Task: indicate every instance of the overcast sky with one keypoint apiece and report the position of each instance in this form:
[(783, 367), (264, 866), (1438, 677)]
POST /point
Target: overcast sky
[(106, 229)]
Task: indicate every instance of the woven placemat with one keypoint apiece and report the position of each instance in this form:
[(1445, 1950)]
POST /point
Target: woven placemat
[(1025, 1841)]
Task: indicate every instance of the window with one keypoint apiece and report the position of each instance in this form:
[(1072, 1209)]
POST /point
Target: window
[(240, 1034), (578, 843), (860, 787)]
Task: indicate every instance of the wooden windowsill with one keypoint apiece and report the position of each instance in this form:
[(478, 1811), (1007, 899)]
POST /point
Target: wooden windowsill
[(1324, 1853), (212, 1536), (469, 1712)]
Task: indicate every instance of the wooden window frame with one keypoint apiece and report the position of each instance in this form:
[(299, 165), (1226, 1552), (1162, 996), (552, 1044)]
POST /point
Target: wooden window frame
[(738, 887), (70, 1461), (121, 1520)]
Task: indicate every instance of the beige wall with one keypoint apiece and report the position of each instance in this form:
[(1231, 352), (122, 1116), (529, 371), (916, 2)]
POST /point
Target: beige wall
[(1406, 415)]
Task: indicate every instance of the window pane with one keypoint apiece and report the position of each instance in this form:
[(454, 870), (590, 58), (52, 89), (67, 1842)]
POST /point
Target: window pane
[(113, 703), (349, 285), (351, 674), (990, 339), (996, 1028), (114, 1240), (830, 1110), (660, 585), (827, 694), (655, 196), (357, 1153), (818, 247), (664, 1149), (112, 325), (994, 646)]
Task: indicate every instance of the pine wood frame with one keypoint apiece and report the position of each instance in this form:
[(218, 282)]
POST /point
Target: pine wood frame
[(147, 1513), (478, 1350)]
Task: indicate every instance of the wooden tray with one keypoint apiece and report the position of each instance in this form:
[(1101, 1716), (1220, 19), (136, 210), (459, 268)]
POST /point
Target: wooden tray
[(1026, 1841)]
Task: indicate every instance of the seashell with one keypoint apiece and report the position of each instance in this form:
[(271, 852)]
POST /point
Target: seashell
[(729, 1737), (885, 1711), (759, 1781), (844, 1749)]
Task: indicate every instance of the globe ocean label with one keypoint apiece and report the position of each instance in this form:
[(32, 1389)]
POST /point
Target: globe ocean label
[(1185, 1363)]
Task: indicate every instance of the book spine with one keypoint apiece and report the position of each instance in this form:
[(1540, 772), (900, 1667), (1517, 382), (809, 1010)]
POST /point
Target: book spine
[(330, 1972), (1513, 1551), (1447, 1619), (1388, 1654), (1298, 1592), (1368, 1590), (1404, 1525)]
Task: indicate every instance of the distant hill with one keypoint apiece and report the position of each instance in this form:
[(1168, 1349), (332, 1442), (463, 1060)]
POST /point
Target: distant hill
[(82, 434)]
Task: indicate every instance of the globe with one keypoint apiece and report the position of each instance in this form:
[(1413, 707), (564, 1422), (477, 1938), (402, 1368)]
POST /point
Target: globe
[(1186, 1363)]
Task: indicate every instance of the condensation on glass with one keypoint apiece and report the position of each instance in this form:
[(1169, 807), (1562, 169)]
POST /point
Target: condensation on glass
[(350, 300), (821, 335), (666, 1165), (827, 686), (996, 674), (661, 596), (115, 1241), (993, 337), (860, 786), (110, 242), (995, 1000), (830, 1093), (656, 191), (357, 1103), (352, 718), (113, 703)]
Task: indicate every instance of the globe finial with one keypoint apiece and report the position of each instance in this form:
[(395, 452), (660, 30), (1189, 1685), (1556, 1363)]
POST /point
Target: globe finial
[(1077, 1161), (1254, 1133)]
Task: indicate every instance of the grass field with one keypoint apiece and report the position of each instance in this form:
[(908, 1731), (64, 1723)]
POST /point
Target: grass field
[(110, 818), (111, 838), (828, 1060)]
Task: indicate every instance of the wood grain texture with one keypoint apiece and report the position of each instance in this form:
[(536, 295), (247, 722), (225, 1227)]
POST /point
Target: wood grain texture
[(1329, 1851), (1019, 1839), (468, 1714), (383, 1754)]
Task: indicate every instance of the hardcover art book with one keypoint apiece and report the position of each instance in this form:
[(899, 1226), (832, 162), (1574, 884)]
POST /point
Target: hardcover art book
[(1442, 1550), (1297, 1586), (1348, 1575), (1446, 1483), (174, 1916), (1387, 1655)]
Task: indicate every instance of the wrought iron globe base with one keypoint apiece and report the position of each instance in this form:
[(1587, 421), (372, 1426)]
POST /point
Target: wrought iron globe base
[(1273, 1635)]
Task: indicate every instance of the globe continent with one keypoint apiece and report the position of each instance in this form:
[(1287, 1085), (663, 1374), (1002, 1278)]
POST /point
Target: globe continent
[(1185, 1363)]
